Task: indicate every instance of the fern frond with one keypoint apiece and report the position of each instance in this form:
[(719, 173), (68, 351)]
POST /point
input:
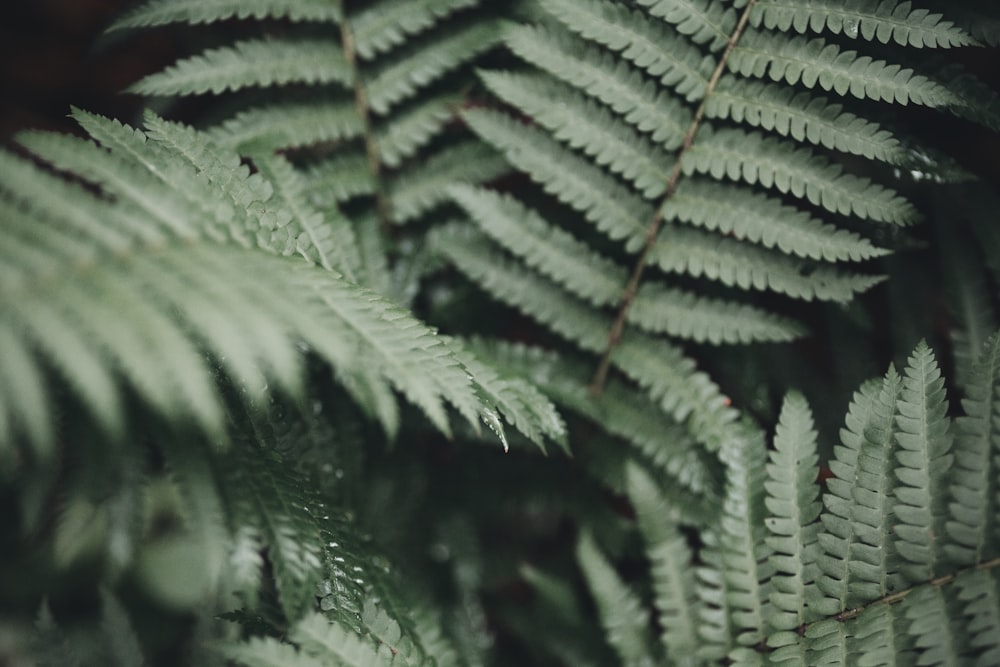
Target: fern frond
[(389, 23), (770, 162), (423, 188), (339, 179), (625, 620), (605, 202), (747, 215), (162, 242), (685, 69), (660, 368), (734, 582), (269, 128), (520, 402), (859, 562), (586, 126), (250, 63), (804, 117), (886, 21), (703, 21), (670, 559), (974, 513), (623, 412), (164, 12), (792, 501), (818, 63), (403, 136), (419, 64), (924, 459), (979, 596), (688, 251), (591, 277)]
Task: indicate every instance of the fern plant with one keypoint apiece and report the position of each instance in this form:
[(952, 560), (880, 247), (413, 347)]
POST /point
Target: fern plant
[(690, 156), (207, 328), (885, 554)]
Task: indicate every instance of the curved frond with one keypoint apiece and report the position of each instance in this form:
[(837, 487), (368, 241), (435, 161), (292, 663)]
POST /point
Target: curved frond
[(772, 163), (164, 12), (884, 21), (816, 63), (269, 128), (974, 513), (625, 620), (250, 63), (746, 215), (803, 116), (670, 559)]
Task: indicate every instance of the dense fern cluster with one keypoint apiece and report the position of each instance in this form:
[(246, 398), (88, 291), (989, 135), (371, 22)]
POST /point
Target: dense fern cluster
[(245, 363)]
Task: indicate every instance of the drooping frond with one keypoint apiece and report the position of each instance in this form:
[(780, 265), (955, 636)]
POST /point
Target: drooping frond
[(96, 283), (162, 12), (625, 621), (669, 557)]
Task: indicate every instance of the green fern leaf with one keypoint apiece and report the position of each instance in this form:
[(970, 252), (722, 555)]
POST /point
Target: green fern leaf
[(660, 368), (269, 128), (924, 457), (771, 163), (164, 12), (793, 504), (585, 126), (625, 621), (248, 64), (330, 243), (608, 204), (974, 488), (671, 558), (804, 117), (692, 252), (703, 21), (734, 580), (422, 64), (339, 179), (887, 21), (747, 215), (390, 23), (623, 412), (979, 595), (640, 41), (859, 563), (818, 63), (413, 128), (425, 187)]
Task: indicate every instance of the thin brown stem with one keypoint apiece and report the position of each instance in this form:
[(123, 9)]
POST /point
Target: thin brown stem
[(632, 287), (383, 203), (898, 596)]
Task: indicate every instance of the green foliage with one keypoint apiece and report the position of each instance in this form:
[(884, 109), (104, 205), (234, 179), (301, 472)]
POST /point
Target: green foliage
[(772, 570), (636, 225)]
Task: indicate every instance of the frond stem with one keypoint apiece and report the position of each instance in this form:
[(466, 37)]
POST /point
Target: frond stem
[(362, 105), (898, 596), (632, 287)]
